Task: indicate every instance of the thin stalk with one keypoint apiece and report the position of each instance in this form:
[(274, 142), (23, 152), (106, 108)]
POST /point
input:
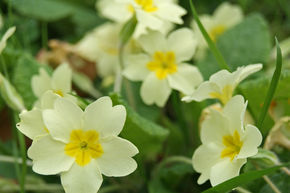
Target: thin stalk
[(22, 145), (9, 159), (169, 160), (119, 77), (271, 184), (220, 59), (179, 115), (272, 87)]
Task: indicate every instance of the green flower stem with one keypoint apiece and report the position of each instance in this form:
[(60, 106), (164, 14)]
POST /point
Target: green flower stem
[(169, 160), (21, 140), (9, 159), (272, 88), (4, 67), (220, 59), (176, 102)]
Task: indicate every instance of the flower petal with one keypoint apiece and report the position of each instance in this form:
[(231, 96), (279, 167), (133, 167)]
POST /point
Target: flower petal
[(153, 42), (204, 157), (228, 14), (225, 170), (47, 99), (61, 79), (117, 11), (245, 71), (202, 92), (105, 118), (171, 12), (41, 83), (185, 79), (148, 20), (117, 157), (86, 179), (222, 78), (251, 140), (31, 124), (65, 117), (235, 110), (49, 156), (136, 69), (214, 128), (183, 43), (154, 90)]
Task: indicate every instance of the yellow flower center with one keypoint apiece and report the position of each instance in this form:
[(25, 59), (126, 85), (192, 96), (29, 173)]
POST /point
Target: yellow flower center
[(84, 146), (146, 5), (59, 92), (163, 63), (216, 32), (225, 95), (232, 145)]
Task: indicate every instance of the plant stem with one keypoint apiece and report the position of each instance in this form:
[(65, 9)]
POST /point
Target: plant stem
[(271, 184), (119, 77), (9, 159), (220, 59), (169, 160), (179, 115), (22, 145), (272, 88)]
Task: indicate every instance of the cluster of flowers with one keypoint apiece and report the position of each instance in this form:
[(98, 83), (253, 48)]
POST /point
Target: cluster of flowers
[(82, 144)]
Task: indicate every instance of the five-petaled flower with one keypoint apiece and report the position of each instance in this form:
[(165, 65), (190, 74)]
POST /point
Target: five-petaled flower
[(83, 145), (226, 143), (151, 14), (59, 82), (221, 85), (164, 66)]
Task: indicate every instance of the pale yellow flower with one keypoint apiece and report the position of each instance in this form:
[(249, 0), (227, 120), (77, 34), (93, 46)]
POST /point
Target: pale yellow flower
[(226, 143), (83, 145), (222, 84), (151, 14), (164, 66)]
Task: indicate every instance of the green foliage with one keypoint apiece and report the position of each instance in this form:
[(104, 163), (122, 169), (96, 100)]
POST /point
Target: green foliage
[(242, 179), (25, 68), (246, 43), (255, 92), (145, 134)]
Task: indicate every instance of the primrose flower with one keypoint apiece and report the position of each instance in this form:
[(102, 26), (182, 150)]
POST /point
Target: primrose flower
[(101, 46), (163, 67), (223, 18), (83, 145), (222, 84), (59, 82), (226, 143), (31, 122), (151, 14)]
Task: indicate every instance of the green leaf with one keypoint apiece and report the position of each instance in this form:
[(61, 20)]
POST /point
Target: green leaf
[(246, 43), (145, 134), (255, 92), (243, 179), (26, 67), (272, 88), (128, 30), (45, 10)]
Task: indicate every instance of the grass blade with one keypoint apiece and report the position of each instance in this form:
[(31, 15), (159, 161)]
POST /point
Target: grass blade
[(220, 59), (272, 88)]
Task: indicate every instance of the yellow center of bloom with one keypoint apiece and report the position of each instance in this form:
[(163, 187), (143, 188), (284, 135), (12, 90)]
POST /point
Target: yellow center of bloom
[(163, 63), (216, 32), (146, 5), (59, 92), (232, 145), (84, 146), (225, 95)]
